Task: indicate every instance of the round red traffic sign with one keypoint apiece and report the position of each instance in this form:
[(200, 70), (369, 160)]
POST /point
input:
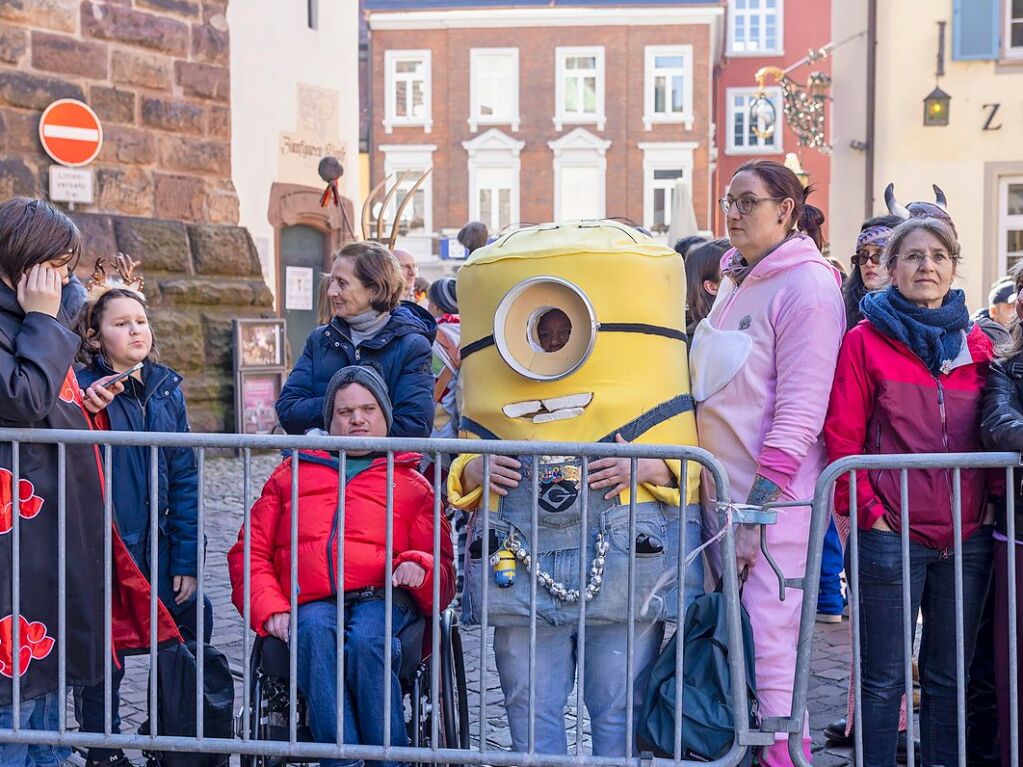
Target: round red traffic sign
[(70, 133)]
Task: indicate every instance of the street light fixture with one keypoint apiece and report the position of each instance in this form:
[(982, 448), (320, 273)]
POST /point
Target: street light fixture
[(936, 107), (937, 103)]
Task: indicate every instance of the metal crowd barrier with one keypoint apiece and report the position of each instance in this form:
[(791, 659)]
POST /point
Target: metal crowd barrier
[(823, 503), (479, 753)]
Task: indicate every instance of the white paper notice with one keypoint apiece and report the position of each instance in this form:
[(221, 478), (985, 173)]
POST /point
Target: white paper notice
[(298, 289)]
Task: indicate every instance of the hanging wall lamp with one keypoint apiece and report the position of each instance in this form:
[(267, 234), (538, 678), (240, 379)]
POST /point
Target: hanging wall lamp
[(938, 103)]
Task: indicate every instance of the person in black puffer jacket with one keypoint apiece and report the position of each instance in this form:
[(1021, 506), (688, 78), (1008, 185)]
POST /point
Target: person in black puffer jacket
[(1002, 429)]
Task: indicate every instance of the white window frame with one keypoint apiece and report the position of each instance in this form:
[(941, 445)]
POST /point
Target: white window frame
[(416, 158), (561, 117), (1005, 221), (664, 155), (1010, 51), (391, 119), (778, 146), (686, 116), (578, 148), (494, 149), (762, 12), (475, 118)]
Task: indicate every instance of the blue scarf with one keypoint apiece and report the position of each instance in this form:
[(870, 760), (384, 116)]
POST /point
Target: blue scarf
[(933, 335)]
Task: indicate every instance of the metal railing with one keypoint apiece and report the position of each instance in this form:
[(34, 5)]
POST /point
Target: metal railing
[(294, 747), (823, 502)]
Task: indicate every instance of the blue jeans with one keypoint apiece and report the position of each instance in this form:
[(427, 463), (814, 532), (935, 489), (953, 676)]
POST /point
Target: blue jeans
[(932, 591), (829, 599), (36, 714), (605, 684), (363, 673)]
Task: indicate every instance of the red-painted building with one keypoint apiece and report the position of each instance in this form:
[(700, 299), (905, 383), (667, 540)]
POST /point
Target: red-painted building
[(763, 33)]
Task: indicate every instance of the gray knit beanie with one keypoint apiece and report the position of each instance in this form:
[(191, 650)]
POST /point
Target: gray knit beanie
[(365, 376)]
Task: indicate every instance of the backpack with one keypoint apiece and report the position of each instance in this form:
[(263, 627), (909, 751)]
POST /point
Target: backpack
[(175, 707), (708, 719)]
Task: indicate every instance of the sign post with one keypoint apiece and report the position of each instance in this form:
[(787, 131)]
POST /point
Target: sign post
[(72, 135)]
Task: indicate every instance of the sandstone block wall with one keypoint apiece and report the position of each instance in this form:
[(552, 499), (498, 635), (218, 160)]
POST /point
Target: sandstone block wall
[(157, 74)]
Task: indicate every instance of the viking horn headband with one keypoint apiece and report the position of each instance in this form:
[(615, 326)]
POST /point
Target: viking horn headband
[(897, 209)]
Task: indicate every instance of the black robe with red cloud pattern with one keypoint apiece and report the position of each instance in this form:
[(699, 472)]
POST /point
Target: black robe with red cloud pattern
[(38, 390)]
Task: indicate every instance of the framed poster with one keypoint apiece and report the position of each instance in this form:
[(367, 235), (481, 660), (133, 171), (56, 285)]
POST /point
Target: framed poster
[(259, 374), (258, 344), (257, 395)]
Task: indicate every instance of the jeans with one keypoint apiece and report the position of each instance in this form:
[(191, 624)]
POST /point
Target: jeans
[(932, 591), (363, 673), (90, 712), (604, 689), (36, 714), (829, 599)]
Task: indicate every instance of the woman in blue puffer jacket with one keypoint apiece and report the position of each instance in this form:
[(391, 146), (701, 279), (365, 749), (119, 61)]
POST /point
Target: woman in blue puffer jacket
[(371, 324)]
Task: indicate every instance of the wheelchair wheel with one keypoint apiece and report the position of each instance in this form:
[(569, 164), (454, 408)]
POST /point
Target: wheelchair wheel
[(454, 702), (268, 718)]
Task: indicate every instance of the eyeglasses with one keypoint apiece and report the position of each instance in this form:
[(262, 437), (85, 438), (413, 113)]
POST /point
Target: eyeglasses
[(860, 258), (917, 258), (745, 205)]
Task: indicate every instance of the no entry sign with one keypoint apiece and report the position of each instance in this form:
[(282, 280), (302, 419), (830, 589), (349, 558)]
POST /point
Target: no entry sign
[(70, 133)]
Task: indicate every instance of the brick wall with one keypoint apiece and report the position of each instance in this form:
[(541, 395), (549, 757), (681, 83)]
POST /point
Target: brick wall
[(157, 74), (624, 84)]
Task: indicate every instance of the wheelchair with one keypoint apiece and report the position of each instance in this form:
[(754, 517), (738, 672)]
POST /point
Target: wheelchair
[(269, 698)]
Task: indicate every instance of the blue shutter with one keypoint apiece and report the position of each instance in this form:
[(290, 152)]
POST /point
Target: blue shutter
[(976, 29)]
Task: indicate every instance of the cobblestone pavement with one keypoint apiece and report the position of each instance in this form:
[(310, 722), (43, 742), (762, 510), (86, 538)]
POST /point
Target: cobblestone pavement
[(224, 510)]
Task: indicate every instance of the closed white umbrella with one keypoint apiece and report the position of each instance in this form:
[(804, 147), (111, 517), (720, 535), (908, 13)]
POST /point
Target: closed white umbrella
[(683, 217)]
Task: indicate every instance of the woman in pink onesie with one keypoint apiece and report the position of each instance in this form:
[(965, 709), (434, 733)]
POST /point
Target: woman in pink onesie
[(762, 365)]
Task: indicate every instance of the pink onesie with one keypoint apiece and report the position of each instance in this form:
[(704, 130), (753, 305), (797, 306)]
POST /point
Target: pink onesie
[(762, 364)]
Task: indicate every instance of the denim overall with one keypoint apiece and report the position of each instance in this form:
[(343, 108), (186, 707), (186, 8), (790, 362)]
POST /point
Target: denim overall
[(559, 516)]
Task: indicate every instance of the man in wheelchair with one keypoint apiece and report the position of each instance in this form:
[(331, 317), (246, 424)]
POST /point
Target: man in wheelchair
[(357, 405)]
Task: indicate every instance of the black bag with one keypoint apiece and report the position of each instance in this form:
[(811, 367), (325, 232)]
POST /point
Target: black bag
[(175, 709), (708, 721)]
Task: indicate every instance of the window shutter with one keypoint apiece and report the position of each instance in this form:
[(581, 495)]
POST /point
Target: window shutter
[(976, 29)]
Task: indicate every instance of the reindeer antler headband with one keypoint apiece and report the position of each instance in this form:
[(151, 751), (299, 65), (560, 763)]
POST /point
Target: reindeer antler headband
[(112, 274), (117, 272)]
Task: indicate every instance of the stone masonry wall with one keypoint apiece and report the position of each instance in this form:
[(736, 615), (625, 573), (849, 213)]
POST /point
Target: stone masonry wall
[(157, 74)]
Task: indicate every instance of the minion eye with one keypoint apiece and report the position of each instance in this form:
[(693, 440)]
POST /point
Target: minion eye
[(545, 328)]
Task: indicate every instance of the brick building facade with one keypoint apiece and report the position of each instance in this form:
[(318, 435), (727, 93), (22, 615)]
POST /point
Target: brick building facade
[(774, 33), (157, 74), (532, 114)]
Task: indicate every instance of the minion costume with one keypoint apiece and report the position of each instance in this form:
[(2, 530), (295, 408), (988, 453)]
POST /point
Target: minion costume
[(622, 369)]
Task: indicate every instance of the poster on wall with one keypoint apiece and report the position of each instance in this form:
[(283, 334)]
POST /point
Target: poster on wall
[(259, 374), (259, 392), (261, 344), (298, 288)]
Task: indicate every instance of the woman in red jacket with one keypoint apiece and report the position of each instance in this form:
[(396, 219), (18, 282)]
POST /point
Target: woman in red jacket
[(357, 406), (909, 380)]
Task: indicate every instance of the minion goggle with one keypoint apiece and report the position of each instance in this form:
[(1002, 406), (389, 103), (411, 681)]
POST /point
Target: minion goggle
[(517, 335)]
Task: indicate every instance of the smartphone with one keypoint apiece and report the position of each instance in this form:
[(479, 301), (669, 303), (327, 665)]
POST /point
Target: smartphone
[(123, 376)]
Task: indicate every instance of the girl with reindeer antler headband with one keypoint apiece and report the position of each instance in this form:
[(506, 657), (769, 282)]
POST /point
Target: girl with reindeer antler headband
[(117, 338)]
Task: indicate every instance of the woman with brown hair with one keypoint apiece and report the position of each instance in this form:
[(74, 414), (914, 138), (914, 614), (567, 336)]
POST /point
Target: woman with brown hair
[(762, 364), (371, 325)]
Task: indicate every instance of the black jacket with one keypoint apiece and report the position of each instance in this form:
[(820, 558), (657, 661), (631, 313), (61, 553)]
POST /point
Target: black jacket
[(1002, 425)]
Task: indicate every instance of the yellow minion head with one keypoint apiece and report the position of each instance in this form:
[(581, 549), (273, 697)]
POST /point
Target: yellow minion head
[(573, 332)]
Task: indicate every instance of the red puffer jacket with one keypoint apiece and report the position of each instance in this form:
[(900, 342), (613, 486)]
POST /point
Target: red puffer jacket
[(885, 401), (365, 535)]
